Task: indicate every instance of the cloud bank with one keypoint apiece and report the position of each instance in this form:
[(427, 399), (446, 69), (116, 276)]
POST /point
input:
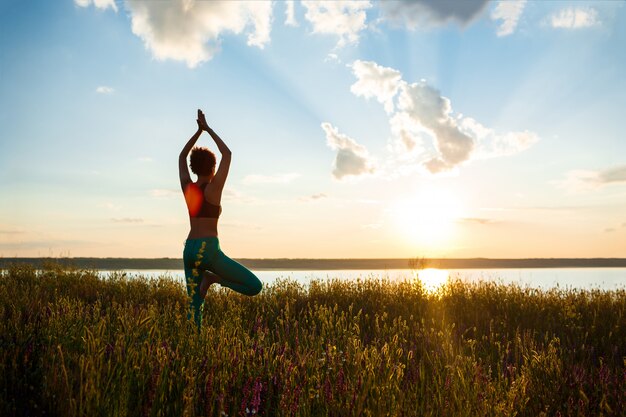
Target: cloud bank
[(425, 131), (191, 30)]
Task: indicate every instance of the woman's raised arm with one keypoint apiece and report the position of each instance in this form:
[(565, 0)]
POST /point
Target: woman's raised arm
[(183, 170)]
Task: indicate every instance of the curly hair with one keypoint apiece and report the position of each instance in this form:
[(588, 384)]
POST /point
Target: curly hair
[(202, 161)]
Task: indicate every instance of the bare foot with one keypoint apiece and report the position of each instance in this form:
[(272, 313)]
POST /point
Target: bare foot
[(208, 279)]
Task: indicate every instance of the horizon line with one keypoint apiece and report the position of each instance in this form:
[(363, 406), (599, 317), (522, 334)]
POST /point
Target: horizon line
[(111, 263)]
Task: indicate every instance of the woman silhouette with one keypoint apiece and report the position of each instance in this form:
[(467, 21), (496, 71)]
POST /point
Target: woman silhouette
[(205, 263)]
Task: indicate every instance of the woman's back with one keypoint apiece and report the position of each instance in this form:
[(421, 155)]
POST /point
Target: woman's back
[(203, 210)]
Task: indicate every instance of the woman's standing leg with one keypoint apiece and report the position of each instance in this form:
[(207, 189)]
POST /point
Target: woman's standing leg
[(193, 257)]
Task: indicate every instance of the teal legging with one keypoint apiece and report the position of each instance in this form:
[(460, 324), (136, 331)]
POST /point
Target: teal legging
[(205, 254)]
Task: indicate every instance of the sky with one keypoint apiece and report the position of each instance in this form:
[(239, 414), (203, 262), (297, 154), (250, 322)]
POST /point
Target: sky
[(358, 129)]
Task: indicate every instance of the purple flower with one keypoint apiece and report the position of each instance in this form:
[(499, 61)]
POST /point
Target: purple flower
[(256, 394), (328, 393)]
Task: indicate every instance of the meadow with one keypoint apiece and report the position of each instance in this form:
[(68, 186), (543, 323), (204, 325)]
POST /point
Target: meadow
[(74, 344)]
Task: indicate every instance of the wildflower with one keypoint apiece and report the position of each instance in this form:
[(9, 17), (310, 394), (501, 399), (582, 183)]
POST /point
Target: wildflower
[(341, 383), (328, 393), (256, 395)]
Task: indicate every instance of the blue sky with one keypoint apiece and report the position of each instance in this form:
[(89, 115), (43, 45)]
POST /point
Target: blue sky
[(401, 129)]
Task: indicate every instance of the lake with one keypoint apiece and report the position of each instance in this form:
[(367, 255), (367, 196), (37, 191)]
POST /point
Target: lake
[(545, 278)]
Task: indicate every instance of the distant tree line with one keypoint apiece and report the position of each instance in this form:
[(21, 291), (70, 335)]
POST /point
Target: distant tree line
[(328, 264)]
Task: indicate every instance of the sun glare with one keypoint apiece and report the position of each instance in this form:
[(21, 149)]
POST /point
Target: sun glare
[(428, 218), (432, 279)]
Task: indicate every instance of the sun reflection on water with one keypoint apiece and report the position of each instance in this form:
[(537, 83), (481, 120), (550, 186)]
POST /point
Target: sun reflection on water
[(432, 278)]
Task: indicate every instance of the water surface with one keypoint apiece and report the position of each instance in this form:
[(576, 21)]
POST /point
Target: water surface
[(545, 278)]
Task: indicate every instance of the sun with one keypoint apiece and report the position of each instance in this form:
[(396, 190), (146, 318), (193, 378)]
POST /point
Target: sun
[(428, 218)]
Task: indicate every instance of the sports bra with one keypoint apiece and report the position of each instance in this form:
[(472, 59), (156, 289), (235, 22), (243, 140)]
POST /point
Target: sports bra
[(197, 204)]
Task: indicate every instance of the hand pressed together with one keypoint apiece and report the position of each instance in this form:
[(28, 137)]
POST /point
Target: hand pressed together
[(202, 124)]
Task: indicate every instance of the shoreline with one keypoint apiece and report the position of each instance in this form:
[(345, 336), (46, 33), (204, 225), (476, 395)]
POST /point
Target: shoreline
[(329, 264)]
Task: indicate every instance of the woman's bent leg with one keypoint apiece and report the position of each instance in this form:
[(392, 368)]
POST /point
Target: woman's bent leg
[(234, 275)]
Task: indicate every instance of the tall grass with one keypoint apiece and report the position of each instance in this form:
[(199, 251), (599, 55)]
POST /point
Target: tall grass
[(73, 344)]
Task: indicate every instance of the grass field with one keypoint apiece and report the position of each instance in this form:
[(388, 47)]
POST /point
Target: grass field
[(72, 344)]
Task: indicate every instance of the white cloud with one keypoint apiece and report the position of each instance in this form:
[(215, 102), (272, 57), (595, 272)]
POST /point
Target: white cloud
[(270, 179), (375, 81), (490, 144), (331, 57), (100, 4), (509, 11), (424, 129), (103, 89), (586, 180), (412, 14), (190, 30), (424, 105), (290, 15), (574, 18), (409, 136), (342, 18), (352, 158), (261, 13)]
